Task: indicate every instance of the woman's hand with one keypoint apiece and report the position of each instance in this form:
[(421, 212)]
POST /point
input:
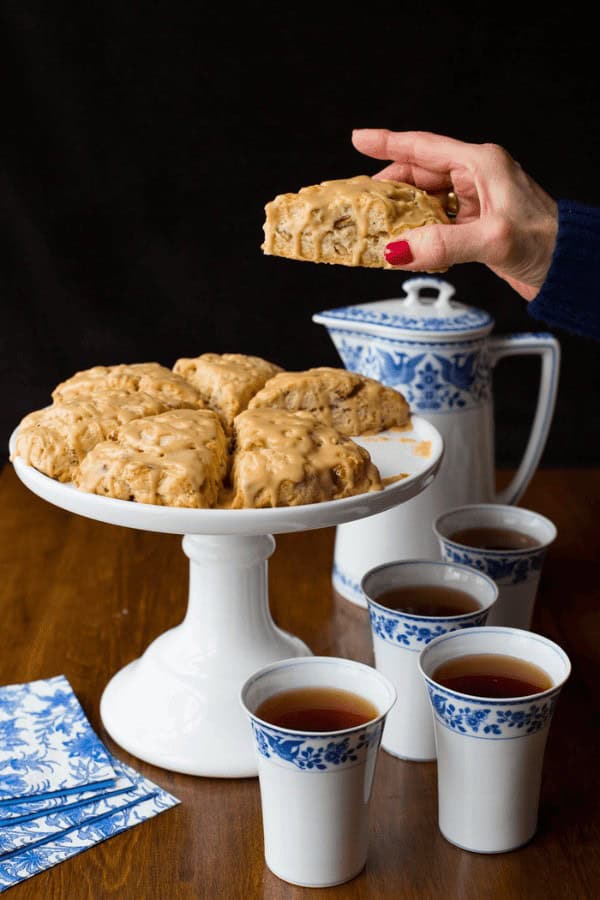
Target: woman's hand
[(504, 220)]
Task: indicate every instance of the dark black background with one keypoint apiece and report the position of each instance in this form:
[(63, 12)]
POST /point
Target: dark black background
[(139, 144)]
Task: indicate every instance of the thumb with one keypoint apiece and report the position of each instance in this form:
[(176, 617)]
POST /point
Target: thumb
[(433, 247)]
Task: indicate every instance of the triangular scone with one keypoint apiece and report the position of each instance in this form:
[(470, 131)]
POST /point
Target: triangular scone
[(352, 403), (178, 458), (151, 378), (289, 458), (54, 440), (348, 221), (226, 381)]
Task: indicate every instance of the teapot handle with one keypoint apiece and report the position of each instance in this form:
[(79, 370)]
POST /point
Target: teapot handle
[(548, 348)]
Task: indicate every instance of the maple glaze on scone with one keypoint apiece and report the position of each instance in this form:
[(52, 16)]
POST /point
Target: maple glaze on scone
[(351, 403), (348, 221), (151, 378), (54, 440), (290, 447), (178, 458), (226, 381), (284, 458)]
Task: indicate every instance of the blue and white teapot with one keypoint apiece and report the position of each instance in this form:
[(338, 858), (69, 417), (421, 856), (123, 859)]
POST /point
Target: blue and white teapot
[(440, 355)]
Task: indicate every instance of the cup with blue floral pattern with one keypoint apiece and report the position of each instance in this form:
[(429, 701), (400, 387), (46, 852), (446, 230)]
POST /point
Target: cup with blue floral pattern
[(517, 570), (315, 787), (398, 637), (491, 750)]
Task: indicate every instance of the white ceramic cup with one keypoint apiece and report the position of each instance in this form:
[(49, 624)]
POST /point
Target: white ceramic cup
[(490, 752), (399, 637), (315, 787), (516, 572)]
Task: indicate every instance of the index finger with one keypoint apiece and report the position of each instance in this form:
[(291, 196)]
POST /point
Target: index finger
[(421, 148), (421, 178)]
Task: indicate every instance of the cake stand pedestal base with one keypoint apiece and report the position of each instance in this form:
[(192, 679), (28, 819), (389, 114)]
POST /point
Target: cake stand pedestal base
[(178, 705)]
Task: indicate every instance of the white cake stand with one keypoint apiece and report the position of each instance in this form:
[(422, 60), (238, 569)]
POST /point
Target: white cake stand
[(178, 706)]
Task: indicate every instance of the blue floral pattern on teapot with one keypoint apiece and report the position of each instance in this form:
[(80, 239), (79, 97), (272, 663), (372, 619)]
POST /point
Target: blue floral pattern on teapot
[(439, 377), (438, 357), (474, 319)]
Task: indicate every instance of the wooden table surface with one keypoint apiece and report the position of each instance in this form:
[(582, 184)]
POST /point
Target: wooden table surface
[(82, 598)]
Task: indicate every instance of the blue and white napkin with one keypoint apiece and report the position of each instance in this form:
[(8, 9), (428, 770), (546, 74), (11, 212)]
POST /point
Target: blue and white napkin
[(48, 810), (47, 745)]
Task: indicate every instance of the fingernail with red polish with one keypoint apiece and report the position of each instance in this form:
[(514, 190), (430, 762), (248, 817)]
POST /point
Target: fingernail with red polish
[(398, 253)]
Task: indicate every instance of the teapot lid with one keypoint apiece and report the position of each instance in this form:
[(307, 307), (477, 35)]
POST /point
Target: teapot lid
[(413, 313)]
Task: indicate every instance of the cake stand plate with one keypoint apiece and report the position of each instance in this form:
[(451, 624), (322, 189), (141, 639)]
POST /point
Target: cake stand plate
[(178, 705)]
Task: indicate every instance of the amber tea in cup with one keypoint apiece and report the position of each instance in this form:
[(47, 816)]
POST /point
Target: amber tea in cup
[(492, 675), (410, 602), (509, 544), (486, 538), (317, 724), (428, 600), (492, 692), (316, 709)]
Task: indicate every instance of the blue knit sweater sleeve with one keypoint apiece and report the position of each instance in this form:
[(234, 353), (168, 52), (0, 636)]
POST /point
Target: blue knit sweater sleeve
[(570, 295)]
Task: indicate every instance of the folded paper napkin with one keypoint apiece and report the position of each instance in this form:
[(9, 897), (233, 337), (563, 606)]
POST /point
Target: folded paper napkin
[(47, 746), (60, 789)]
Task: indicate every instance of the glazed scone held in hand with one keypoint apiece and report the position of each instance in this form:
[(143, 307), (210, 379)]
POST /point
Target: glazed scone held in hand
[(287, 458), (226, 382), (178, 458), (351, 403), (348, 221), (151, 378), (56, 439)]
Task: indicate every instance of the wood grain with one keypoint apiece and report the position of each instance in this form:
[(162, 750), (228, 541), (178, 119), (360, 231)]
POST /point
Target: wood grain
[(82, 598)]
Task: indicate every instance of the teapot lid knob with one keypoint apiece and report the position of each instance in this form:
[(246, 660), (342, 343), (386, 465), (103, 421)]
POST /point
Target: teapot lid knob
[(441, 303)]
